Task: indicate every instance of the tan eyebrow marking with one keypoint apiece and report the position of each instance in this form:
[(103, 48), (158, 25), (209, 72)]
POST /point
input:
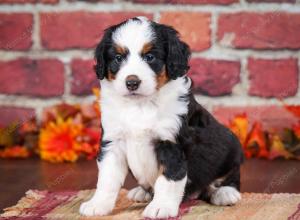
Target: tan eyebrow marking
[(120, 49), (147, 47)]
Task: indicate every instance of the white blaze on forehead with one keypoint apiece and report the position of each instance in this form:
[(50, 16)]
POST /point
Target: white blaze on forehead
[(134, 34)]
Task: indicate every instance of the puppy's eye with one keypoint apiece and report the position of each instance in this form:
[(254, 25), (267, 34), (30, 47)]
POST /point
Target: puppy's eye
[(118, 58), (149, 57)]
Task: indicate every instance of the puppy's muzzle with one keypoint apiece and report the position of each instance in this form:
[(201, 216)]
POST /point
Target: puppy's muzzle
[(132, 82)]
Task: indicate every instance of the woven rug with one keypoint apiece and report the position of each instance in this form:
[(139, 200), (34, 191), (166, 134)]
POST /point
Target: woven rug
[(64, 205)]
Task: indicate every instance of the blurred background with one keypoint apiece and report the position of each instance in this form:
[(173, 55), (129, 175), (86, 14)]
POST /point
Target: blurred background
[(245, 68)]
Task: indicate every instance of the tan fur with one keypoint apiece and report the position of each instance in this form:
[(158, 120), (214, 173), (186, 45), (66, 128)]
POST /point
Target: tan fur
[(162, 78), (110, 76), (146, 48), (120, 50)]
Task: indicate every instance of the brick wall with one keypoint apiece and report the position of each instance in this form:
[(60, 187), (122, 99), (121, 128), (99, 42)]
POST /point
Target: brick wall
[(245, 52)]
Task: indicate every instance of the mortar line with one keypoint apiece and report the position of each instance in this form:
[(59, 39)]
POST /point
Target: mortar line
[(151, 8)]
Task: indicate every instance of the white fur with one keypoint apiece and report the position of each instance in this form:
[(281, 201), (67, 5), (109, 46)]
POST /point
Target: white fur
[(133, 35), (167, 198), (131, 123), (136, 122), (225, 195), (112, 173), (139, 194)]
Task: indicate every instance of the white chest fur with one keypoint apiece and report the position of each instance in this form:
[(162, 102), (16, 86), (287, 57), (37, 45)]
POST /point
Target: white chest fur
[(135, 123)]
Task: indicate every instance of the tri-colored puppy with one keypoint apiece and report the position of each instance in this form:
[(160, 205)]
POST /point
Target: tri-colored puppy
[(153, 126)]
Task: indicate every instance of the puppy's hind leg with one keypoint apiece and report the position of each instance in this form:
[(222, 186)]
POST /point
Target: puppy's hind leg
[(225, 191), (139, 194), (225, 195)]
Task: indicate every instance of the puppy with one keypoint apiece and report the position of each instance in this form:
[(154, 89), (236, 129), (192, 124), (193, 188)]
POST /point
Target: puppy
[(153, 126)]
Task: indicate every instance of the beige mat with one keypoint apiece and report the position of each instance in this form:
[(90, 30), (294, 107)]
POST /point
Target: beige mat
[(65, 205)]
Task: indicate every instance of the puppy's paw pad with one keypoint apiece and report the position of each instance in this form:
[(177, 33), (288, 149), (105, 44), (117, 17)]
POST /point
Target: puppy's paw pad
[(225, 195), (138, 194), (155, 210), (92, 207)]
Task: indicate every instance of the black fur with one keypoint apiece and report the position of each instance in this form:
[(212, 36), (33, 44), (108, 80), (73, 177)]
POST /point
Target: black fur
[(177, 52), (102, 150), (160, 56), (104, 54), (103, 144), (172, 158), (204, 149), (212, 151), (100, 54), (168, 50)]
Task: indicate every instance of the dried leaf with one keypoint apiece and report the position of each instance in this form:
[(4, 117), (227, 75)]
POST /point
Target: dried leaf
[(65, 111), (294, 109), (29, 126), (239, 126), (256, 142), (15, 152), (296, 130), (277, 148), (8, 134), (88, 111)]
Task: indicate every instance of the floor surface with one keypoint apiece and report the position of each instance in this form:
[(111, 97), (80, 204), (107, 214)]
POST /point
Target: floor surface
[(18, 176)]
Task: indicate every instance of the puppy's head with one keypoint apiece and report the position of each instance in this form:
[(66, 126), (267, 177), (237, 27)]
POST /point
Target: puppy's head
[(138, 57)]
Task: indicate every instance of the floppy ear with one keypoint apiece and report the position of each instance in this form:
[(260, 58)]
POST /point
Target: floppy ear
[(101, 54), (178, 53)]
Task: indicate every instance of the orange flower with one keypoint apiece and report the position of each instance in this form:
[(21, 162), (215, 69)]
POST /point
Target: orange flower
[(57, 141), (90, 142)]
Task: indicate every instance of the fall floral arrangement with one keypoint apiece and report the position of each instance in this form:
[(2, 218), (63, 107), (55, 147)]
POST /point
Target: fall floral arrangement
[(70, 132), (268, 144), (66, 133)]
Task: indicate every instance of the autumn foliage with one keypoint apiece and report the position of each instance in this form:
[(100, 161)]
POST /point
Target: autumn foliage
[(67, 133), (257, 142)]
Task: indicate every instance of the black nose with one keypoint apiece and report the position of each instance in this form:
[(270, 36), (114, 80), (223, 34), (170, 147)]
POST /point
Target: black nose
[(132, 82)]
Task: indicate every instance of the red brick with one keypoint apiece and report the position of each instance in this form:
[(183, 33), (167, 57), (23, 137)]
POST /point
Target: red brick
[(214, 77), (47, 1), (267, 1), (84, 77), (10, 114), (196, 33), (23, 76), (91, 1), (275, 30), (79, 29), (221, 2), (15, 31), (271, 117), (28, 1), (273, 78)]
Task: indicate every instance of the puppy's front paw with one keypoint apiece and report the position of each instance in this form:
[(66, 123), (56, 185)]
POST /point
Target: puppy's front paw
[(138, 194), (94, 207), (160, 210), (225, 195)]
